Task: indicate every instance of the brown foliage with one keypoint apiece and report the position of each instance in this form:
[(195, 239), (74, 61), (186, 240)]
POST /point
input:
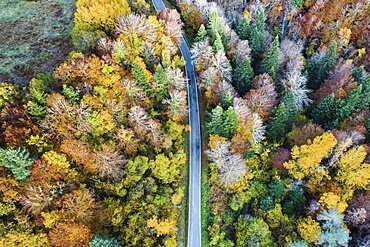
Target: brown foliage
[(80, 152), (16, 126), (281, 156), (69, 235), (300, 136)]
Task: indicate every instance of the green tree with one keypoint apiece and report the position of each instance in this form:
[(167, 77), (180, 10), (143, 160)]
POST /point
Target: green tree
[(229, 122), (254, 232), (325, 113), (202, 34), (258, 34), (270, 63), (242, 76), (141, 75), (243, 28), (103, 241), (294, 202), (162, 80), (280, 122), (19, 161), (217, 44), (318, 68), (215, 124)]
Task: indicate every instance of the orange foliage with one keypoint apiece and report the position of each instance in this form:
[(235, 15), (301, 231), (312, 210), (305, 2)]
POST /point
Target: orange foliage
[(69, 235)]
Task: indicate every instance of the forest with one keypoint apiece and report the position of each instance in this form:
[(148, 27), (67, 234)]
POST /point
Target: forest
[(96, 152)]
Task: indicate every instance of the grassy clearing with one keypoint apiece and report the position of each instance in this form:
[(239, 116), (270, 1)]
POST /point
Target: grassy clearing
[(183, 219), (34, 37)]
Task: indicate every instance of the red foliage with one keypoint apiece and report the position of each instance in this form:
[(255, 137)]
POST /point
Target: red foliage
[(280, 156)]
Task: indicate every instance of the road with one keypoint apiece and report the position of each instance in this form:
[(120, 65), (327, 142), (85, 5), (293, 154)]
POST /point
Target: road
[(194, 219)]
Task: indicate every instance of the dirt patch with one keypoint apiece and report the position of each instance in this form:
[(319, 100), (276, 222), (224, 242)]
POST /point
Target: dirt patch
[(34, 37)]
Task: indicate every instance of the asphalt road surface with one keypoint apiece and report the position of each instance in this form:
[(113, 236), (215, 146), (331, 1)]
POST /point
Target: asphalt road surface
[(194, 222)]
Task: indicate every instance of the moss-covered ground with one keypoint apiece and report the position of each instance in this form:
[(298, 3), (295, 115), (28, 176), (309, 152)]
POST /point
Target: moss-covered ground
[(34, 37)]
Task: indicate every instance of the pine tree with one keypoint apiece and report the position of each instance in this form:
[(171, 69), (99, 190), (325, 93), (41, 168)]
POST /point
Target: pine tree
[(215, 126), (19, 161), (229, 123), (280, 122), (349, 104), (161, 78), (365, 94), (270, 63), (242, 76), (243, 29), (202, 34), (217, 44), (103, 241), (318, 69), (325, 113), (258, 34), (141, 75)]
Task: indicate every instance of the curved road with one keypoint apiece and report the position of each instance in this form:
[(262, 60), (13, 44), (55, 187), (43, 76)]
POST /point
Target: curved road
[(194, 223)]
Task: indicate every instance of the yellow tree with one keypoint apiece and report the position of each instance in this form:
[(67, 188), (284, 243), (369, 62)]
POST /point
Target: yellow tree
[(309, 229)]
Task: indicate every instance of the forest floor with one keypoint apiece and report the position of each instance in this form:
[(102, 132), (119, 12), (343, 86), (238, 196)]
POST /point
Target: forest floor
[(34, 37)]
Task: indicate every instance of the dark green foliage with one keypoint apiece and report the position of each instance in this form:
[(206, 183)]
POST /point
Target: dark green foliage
[(270, 63), (140, 77), (280, 122), (365, 94), (229, 123), (161, 78), (222, 123), (103, 241), (19, 161), (276, 189), (367, 126), (258, 35), (294, 202), (254, 232), (297, 3), (242, 76), (266, 203), (325, 113), (318, 68), (242, 28), (348, 105)]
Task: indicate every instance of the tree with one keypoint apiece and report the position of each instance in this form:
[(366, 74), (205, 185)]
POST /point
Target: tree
[(280, 122), (19, 161), (217, 44), (258, 33), (243, 27), (214, 126), (253, 233), (141, 75), (324, 113), (167, 169), (162, 80), (74, 235), (242, 76), (309, 229), (295, 202), (334, 232), (202, 34), (319, 66), (270, 64), (229, 122), (103, 241), (8, 93)]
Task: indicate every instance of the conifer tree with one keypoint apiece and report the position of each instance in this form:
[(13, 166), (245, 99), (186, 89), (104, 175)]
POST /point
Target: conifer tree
[(19, 161), (202, 34), (318, 68), (270, 63), (242, 76), (280, 122), (141, 75), (229, 122), (258, 34), (162, 80), (243, 29), (217, 44), (325, 113), (215, 126)]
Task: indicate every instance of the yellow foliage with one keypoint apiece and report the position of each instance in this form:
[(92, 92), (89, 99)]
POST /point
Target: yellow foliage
[(330, 200), (50, 219), (274, 216), (177, 197), (214, 140), (59, 164), (163, 227), (100, 13), (309, 229), (306, 158), (353, 173), (25, 238)]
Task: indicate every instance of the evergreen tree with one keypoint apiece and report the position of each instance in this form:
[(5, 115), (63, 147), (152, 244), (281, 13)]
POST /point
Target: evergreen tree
[(258, 34), (242, 76), (202, 34), (280, 122), (229, 122), (349, 104), (325, 113), (243, 29), (141, 75), (19, 161), (365, 94), (318, 68), (162, 80), (217, 44), (367, 126), (215, 126), (270, 63), (294, 202)]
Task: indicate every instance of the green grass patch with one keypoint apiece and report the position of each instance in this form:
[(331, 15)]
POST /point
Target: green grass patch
[(34, 37)]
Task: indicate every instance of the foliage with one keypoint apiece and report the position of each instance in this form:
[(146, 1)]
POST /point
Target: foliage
[(270, 64), (309, 229), (100, 241), (19, 161)]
